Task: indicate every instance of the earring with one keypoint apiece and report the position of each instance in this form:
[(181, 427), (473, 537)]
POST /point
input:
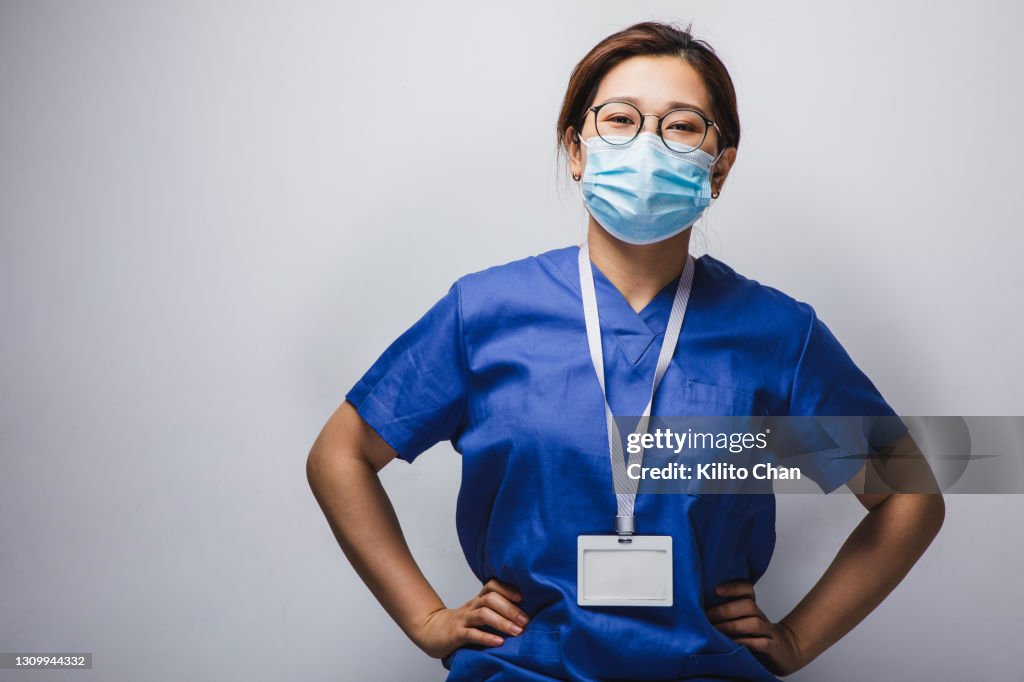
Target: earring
[(576, 177), (714, 195)]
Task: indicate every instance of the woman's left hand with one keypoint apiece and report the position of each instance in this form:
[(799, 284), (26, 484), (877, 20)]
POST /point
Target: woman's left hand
[(740, 618)]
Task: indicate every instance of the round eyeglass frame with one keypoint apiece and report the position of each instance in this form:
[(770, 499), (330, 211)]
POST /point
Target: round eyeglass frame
[(708, 123)]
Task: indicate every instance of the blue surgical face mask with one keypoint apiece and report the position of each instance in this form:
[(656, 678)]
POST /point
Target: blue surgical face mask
[(643, 192)]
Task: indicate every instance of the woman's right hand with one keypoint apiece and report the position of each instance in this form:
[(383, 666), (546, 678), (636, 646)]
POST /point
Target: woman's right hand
[(445, 630)]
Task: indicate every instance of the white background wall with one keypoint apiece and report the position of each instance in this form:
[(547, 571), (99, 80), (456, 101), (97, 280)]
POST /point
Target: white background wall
[(214, 216)]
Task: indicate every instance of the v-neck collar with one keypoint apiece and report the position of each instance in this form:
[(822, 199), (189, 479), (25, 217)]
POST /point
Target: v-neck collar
[(635, 331)]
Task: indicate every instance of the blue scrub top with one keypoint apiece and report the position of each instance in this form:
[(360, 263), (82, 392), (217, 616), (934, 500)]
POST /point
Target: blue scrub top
[(500, 367)]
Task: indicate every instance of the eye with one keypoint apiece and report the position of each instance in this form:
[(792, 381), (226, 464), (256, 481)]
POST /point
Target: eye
[(621, 119)]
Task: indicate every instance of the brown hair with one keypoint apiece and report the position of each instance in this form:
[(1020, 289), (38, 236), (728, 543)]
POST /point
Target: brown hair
[(650, 38)]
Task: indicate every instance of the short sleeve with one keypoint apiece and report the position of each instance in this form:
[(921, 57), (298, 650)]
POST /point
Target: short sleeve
[(827, 383), (414, 394)]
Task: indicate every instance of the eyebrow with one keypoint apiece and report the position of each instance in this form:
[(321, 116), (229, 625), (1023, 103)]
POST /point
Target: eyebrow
[(670, 105)]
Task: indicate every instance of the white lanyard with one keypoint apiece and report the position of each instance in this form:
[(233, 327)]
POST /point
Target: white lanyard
[(624, 519)]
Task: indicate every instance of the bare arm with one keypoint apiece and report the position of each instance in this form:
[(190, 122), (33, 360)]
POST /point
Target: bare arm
[(342, 471), (874, 559), (878, 554)]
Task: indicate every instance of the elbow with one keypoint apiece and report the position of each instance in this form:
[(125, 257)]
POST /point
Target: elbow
[(318, 463), (921, 515), (333, 458), (938, 513), (313, 468), (931, 512)]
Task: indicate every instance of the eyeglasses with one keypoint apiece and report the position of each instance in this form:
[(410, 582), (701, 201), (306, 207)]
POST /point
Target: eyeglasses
[(682, 130)]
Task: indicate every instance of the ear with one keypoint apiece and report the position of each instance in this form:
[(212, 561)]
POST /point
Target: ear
[(720, 171), (575, 151)]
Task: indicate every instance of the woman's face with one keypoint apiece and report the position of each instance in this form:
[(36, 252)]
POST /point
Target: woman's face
[(655, 85)]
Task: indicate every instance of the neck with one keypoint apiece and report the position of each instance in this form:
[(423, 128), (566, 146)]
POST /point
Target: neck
[(639, 272)]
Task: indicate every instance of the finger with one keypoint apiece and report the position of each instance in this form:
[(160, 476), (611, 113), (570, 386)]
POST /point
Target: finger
[(504, 607), (475, 636), (735, 588), (761, 645), (738, 608), (507, 590), (743, 627), (486, 616)]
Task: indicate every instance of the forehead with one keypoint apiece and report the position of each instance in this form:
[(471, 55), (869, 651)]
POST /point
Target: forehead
[(655, 82)]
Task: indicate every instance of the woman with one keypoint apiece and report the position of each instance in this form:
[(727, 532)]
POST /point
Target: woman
[(502, 367)]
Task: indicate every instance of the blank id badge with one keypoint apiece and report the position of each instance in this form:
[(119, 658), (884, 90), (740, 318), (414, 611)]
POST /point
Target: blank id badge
[(633, 570)]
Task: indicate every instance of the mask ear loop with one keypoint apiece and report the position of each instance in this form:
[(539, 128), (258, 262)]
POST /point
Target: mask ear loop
[(579, 140), (704, 213), (711, 169), (583, 200)]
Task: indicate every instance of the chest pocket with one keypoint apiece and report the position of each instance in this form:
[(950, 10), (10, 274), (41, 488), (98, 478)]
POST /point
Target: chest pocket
[(701, 398), (727, 412)]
